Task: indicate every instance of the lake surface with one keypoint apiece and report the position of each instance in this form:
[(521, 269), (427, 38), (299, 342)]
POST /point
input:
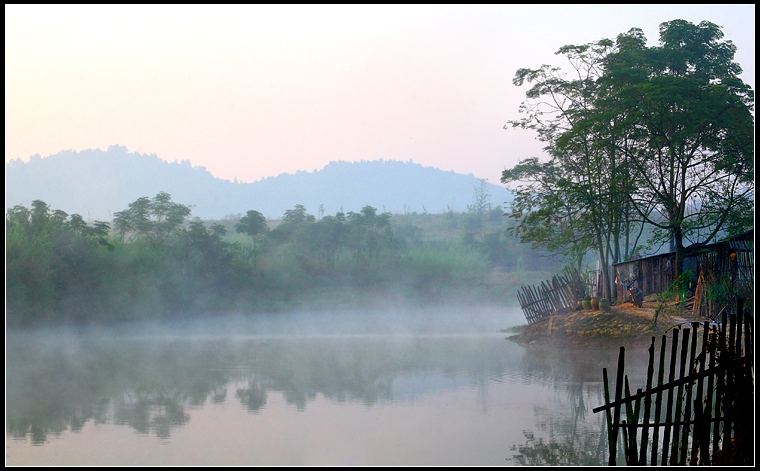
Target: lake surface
[(408, 387)]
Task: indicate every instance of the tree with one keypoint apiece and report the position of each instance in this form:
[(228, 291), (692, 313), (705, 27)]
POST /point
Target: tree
[(575, 202), (154, 220), (660, 135), (293, 221), (478, 210), (328, 236), (255, 225), (689, 135), (370, 234), (206, 249), (49, 254)]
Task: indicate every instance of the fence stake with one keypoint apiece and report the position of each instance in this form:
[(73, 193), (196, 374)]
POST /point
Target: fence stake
[(608, 413), (658, 402), (669, 412), (679, 399), (647, 407), (701, 428), (727, 406), (618, 396), (689, 387)]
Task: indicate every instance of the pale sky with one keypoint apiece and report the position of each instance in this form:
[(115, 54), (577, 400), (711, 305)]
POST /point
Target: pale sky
[(252, 92)]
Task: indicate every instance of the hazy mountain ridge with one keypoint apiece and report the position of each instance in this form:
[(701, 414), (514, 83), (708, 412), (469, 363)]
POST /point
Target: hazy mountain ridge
[(97, 183)]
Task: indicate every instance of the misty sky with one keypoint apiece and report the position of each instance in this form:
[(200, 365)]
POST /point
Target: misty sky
[(252, 92)]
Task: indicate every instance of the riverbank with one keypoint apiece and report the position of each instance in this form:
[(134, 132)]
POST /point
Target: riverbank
[(623, 324)]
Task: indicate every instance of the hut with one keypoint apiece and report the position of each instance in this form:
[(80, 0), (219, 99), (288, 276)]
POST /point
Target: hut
[(730, 260)]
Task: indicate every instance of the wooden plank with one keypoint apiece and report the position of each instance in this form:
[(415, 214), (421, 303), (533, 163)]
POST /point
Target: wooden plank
[(679, 399), (739, 323), (618, 397), (728, 406), (608, 412), (658, 402), (669, 411), (631, 419), (647, 406), (700, 438), (718, 425), (710, 400), (748, 346), (687, 412)]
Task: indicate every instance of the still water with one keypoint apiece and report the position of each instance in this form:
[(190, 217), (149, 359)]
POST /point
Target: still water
[(419, 387)]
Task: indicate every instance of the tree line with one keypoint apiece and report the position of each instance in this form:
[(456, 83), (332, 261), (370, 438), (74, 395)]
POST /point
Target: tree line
[(153, 260), (660, 136)]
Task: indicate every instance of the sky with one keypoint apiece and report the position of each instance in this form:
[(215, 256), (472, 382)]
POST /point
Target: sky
[(257, 91)]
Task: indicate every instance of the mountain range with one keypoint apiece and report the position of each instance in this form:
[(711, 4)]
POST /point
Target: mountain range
[(96, 183)]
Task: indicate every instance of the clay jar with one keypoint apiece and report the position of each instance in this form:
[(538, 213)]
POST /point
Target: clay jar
[(586, 303)]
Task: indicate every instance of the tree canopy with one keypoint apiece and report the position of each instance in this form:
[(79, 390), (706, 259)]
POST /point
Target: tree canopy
[(661, 135), (152, 219)]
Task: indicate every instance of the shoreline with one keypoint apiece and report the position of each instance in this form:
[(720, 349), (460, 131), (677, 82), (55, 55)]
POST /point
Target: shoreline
[(623, 325)]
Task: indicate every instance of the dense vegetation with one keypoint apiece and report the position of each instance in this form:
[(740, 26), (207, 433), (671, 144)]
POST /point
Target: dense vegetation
[(155, 261)]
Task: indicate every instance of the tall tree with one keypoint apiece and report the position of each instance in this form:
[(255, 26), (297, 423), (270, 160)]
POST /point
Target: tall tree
[(575, 202), (255, 225), (152, 219), (370, 234), (689, 133), (660, 135)]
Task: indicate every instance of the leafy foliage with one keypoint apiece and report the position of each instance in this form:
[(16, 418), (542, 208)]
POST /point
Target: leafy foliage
[(156, 263), (659, 135)]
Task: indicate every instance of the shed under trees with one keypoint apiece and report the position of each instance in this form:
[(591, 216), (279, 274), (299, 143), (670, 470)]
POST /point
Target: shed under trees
[(726, 265)]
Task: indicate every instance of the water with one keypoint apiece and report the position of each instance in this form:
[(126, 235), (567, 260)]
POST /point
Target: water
[(376, 391)]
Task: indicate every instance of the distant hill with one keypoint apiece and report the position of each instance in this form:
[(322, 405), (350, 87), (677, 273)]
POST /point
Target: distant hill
[(97, 183)]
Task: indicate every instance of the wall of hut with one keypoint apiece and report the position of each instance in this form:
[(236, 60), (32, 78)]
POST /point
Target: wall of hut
[(732, 261), (651, 274)]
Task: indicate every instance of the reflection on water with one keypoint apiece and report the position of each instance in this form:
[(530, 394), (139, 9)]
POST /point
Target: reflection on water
[(469, 399)]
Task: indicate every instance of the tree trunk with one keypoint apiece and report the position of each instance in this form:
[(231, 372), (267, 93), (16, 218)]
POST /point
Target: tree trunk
[(679, 250)]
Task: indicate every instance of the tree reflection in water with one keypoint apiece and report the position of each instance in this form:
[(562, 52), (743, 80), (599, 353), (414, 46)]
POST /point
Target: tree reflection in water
[(576, 438), (570, 439), (254, 397), (152, 385), (151, 412)]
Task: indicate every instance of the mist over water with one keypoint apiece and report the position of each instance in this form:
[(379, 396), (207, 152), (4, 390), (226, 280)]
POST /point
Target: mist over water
[(399, 320), (413, 385)]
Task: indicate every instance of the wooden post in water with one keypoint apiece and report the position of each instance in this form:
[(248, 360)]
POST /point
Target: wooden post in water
[(679, 401), (658, 402), (687, 412), (721, 383), (739, 319), (669, 412), (710, 399), (647, 407), (616, 414), (701, 427), (608, 412), (728, 408), (632, 421), (748, 347)]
